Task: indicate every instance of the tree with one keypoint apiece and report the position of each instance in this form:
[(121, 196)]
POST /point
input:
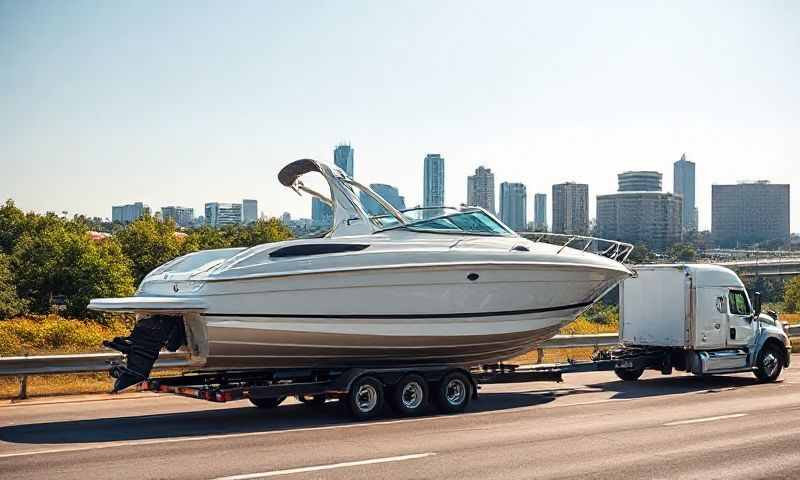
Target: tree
[(58, 258), (682, 252), (791, 294), (262, 231), (10, 303), (12, 224), (148, 243), (640, 254)]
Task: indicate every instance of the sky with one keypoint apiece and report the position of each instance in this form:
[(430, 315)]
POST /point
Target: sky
[(182, 103)]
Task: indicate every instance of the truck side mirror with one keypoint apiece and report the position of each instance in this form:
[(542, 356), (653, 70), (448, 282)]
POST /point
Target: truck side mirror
[(757, 304)]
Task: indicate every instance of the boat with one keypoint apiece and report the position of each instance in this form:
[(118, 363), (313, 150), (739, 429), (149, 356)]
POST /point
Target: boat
[(425, 286)]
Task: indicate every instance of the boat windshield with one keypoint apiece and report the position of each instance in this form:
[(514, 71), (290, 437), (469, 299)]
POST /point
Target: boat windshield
[(474, 221)]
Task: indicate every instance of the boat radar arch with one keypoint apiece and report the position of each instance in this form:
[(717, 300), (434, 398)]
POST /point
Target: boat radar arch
[(349, 215)]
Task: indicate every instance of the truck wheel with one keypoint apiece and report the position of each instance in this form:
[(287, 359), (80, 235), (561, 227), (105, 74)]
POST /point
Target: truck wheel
[(365, 399), (453, 393), (769, 364), (629, 374), (267, 402), (409, 396)]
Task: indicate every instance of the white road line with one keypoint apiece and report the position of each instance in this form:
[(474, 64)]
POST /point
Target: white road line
[(706, 419), (275, 473)]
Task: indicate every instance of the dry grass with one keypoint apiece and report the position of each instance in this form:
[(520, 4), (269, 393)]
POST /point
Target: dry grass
[(51, 334)]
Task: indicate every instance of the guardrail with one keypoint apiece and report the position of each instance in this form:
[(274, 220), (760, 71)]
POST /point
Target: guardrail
[(100, 362)]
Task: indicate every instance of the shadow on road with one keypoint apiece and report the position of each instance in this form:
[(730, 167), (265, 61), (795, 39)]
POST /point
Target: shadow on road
[(650, 387), (242, 418)]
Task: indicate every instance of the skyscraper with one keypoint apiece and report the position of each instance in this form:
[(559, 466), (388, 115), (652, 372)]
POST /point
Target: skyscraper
[(640, 181), (571, 208), (249, 211), (343, 157), (683, 184), (651, 218), (540, 212), (480, 189), (433, 182), (221, 214), (129, 213), (182, 216), (750, 213), (387, 192), (513, 201)]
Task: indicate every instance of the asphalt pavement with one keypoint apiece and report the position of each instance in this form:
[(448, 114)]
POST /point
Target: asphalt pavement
[(590, 426)]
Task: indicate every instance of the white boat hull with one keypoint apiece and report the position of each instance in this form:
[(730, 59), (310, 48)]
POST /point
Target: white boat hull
[(378, 317)]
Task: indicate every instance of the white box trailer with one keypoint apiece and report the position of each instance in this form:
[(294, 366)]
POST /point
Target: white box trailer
[(697, 318)]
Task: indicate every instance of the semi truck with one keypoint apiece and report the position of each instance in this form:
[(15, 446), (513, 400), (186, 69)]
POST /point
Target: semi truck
[(696, 318)]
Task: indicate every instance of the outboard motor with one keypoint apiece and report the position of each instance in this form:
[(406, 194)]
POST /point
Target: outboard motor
[(142, 346)]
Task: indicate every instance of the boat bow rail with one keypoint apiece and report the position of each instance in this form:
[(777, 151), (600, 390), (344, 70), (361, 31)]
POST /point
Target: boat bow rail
[(612, 249)]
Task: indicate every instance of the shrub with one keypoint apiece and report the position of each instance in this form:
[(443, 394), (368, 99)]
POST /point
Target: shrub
[(50, 334)]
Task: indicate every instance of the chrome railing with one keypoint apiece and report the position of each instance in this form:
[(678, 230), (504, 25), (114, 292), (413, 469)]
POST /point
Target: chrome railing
[(613, 249)]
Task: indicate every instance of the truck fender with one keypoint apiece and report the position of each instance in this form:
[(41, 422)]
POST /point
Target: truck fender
[(763, 339)]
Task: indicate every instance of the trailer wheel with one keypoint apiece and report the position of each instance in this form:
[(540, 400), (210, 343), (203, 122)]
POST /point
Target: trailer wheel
[(409, 396), (769, 364), (453, 393), (629, 374), (267, 402), (365, 399)]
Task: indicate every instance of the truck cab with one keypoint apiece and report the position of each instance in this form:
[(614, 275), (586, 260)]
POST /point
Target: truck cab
[(697, 318)]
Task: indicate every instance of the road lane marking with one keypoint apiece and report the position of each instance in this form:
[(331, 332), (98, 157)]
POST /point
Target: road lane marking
[(705, 419), (316, 468)]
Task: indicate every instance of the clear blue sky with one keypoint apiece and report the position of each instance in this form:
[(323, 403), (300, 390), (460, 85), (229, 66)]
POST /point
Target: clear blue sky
[(106, 103)]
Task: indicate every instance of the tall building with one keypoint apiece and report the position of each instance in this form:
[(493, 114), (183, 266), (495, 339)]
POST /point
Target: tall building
[(387, 192), (321, 214), (221, 214), (683, 185), (129, 213), (750, 213), (182, 216), (640, 181), (433, 182), (249, 211), (540, 212), (343, 158), (480, 189), (651, 218), (571, 208), (513, 200)]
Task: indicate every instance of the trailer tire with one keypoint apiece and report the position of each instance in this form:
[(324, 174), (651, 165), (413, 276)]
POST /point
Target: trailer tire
[(453, 393), (267, 402), (769, 363), (629, 374), (409, 396), (365, 398)]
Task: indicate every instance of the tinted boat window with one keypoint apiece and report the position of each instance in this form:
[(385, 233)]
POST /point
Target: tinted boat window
[(316, 249)]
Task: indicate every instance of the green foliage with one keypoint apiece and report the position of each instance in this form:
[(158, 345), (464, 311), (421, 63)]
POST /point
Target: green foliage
[(640, 254), (148, 243), (771, 288), (682, 252), (791, 295), (59, 258), (262, 231), (43, 257), (10, 304), (55, 334)]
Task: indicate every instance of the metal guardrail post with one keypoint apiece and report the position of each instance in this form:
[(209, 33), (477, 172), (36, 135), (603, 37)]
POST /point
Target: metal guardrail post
[(23, 387)]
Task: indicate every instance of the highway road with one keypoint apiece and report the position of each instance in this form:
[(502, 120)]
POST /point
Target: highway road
[(590, 426)]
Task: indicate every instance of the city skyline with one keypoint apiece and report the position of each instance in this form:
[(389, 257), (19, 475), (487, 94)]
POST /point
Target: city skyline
[(152, 114)]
